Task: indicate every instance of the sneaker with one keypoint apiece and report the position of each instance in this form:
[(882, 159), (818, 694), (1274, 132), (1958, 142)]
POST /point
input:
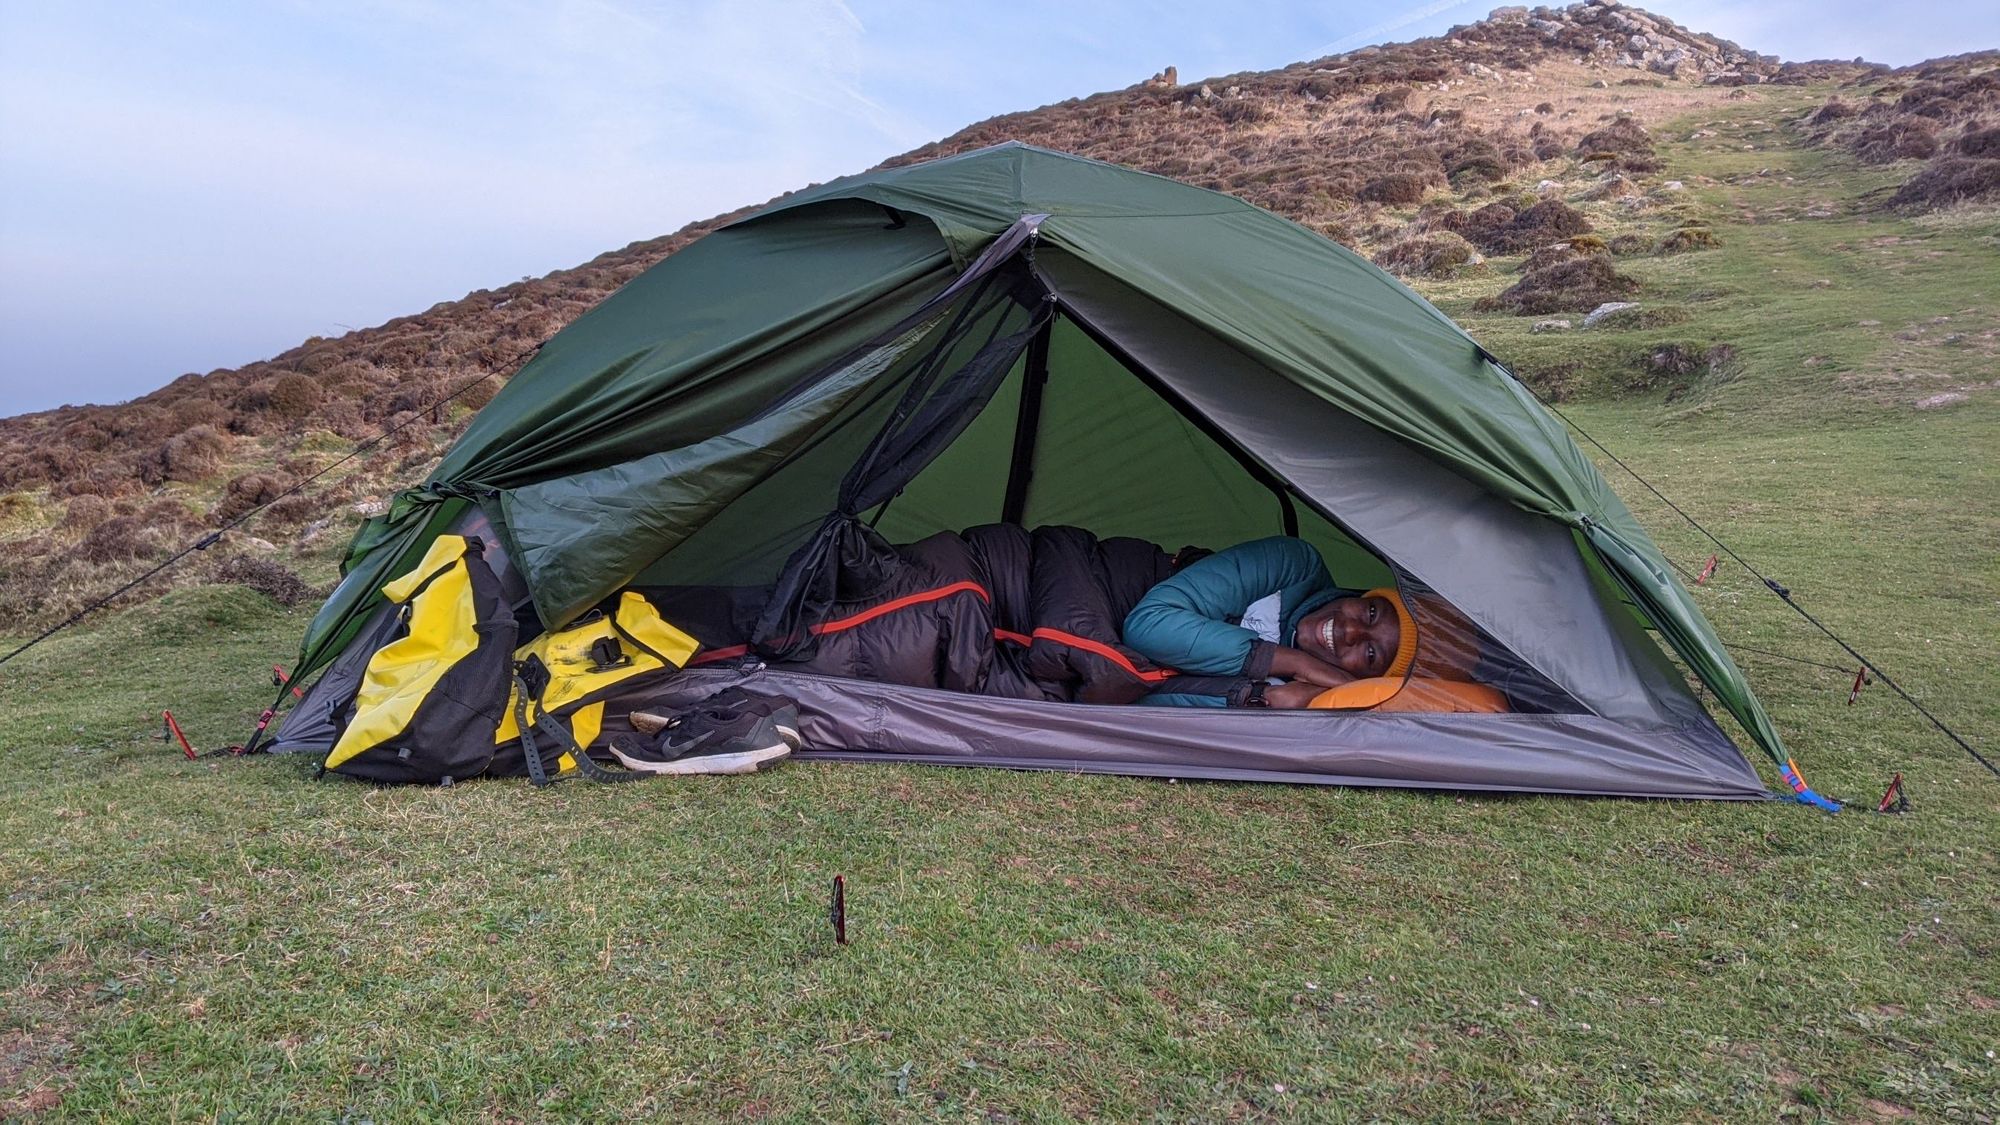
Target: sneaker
[(782, 712), (705, 740)]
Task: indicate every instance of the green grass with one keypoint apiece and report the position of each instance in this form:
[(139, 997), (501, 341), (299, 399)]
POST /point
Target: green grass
[(231, 939)]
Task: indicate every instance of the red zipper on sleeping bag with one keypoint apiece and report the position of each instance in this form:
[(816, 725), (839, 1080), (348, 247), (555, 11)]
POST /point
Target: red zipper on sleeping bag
[(1099, 648), (837, 625)]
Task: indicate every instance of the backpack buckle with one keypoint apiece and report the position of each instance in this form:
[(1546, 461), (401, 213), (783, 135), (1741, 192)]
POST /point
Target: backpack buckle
[(606, 653)]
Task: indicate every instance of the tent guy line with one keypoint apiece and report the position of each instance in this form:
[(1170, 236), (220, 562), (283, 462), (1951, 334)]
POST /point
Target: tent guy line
[(1783, 592)]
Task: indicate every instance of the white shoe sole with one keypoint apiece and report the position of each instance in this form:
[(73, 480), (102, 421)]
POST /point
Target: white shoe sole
[(743, 761), (648, 722)]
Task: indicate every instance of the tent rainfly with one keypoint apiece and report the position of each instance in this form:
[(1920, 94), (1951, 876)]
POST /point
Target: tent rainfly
[(1026, 337)]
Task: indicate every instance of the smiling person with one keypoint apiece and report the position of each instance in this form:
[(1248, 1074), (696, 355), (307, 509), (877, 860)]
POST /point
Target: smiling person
[(1267, 610)]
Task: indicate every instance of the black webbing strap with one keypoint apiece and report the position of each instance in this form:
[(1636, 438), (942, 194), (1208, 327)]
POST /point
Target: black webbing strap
[(530, 753), (585, 764), (558, 735)]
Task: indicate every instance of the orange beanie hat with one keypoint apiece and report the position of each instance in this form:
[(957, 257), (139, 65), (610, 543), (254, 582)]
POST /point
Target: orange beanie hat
[(1406, 641), (1452, 650)]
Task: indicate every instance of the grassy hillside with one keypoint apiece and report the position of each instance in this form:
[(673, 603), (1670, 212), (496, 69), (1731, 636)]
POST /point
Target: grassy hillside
[(1813, 377)]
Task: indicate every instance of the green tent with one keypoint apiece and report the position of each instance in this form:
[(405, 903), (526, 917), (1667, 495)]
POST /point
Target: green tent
[(1055, 340)]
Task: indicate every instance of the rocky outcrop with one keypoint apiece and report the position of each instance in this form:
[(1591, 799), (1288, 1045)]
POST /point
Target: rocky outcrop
[(1607, 33)]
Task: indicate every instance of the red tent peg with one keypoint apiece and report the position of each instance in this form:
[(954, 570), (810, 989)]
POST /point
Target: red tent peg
[(1707, 572), (1894, 800), (174, 729), (1861, 680)]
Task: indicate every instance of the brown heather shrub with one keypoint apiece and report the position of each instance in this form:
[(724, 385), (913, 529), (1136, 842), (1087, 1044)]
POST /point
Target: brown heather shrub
[(415, 394), (1907, 139), (540, 324), (168, 515), (295, 509), (1833, 110), (1612, 186), (1548, 219), (316, 357), (1499, 228), (120, 537), (1689, 239), (247, 492), (353, 379), (1555, 253), (108, 481), (345, 419), (1245, 111), (85, 512), (51, 464), (252, 398), (478, 394), (1949, 180), (194, 455), (407, 434), (1394, 189), (1622, 135), (293, 395), (1947, 94), (272, 579), (90, 434), (1578, 285), (1625, 141), (188, 413), (1391, 100), (1436, 254), (1474, 159), (1545, 108), (1626, 245), (401, 352), (1679, 367), (1982, 143), (285, 397), (140, 421), (30, 465), (1476, 226)]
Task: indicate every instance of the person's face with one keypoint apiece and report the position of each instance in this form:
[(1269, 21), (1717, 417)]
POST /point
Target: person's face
[(1359, 635)]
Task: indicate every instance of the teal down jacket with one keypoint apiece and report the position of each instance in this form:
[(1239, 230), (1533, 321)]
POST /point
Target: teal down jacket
[(1191, 622)]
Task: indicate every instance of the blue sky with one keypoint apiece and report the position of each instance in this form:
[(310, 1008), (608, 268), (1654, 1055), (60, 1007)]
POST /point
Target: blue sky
[(186, 187)]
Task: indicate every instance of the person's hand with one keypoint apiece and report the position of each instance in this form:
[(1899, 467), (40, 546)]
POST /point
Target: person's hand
[(1298, 664), (1295, 696)]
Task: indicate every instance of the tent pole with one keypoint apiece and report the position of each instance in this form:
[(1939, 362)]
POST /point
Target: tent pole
[(1027, 425)]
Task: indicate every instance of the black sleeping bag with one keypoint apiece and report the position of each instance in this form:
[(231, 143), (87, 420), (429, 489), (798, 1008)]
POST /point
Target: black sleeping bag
[(998, 610)]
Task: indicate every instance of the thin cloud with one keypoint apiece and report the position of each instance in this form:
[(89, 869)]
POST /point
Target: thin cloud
[(1382, 31)]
